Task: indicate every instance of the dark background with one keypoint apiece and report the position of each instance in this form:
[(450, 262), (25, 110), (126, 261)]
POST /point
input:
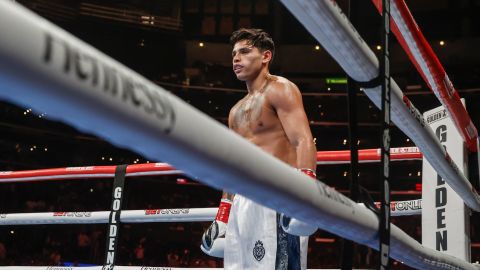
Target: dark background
[(183, 46)]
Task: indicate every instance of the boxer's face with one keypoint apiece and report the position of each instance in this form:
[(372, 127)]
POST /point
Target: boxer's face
[(248, 60)]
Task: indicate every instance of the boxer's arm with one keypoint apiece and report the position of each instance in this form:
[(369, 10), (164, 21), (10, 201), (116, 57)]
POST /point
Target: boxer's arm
[(287, 102), (286, 99), (226, 195)]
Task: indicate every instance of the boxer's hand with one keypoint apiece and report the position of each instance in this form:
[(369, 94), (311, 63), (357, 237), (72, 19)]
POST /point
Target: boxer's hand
[(213, 239), (294, 226)]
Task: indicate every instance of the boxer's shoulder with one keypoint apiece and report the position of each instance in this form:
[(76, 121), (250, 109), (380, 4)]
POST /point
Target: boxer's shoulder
[(281, 89)]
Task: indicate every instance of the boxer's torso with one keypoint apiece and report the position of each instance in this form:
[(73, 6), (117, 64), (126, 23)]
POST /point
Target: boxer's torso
[(255, 119)]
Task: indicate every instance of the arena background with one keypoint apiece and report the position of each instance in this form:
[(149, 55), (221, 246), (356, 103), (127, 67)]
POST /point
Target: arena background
[(183, 46)]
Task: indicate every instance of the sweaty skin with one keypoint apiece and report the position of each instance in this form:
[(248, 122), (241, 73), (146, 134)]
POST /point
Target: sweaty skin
[(271, 115)]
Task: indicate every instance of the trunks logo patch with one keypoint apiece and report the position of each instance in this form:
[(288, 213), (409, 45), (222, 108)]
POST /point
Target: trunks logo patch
[(258, 251)]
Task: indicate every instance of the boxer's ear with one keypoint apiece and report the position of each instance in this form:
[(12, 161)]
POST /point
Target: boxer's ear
[(267, 56)]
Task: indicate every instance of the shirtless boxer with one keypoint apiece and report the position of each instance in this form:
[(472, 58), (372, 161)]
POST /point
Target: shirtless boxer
[(272, 117)]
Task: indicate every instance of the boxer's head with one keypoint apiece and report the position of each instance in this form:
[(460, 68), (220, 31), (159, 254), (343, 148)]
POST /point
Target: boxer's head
[(253, 50)]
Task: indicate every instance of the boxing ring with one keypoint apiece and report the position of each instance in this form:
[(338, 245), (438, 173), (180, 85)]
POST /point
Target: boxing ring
[(46, 68)]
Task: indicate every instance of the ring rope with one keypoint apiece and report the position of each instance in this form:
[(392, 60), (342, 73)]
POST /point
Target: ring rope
[(326, 22), (116, 267), (151, 169), (147, 119), (430, 68), (399, 208)]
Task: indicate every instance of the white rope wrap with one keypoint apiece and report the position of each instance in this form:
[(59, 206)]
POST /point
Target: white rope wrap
[(114, 268), (117, 267), (127, 216), (145, 118), (399, 208), (326, 22), (99, 268)]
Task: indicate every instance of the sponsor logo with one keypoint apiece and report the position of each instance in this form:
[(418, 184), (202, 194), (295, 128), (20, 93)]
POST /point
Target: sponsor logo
[(113, 227), (6, 173), (167, 211), (333, 194), (258, 251), (406, 205), (441, 265), (437, 116), (155, 268), (448, 86), (413, 111), (402, 150), (3, 215), (441, 198), (89, 168), (87, 69), (72, 214), (471, 130)]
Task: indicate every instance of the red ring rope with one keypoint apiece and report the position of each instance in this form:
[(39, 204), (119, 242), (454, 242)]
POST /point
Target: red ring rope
[(323, 157)]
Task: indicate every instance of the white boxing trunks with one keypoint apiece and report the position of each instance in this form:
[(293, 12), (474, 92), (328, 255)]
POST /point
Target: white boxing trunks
[(255, 240)]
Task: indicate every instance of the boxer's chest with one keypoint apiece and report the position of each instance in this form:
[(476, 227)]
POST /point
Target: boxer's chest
[(251, 114)]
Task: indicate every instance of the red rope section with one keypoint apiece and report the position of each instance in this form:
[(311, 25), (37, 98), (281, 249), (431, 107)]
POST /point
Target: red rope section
[(441, 84), (90, 172), (85, 172), (367, 155)]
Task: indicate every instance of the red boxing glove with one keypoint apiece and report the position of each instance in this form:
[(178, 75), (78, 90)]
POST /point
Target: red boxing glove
[(309, 172)]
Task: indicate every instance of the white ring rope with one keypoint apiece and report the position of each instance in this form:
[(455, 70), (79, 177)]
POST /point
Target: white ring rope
[(326, 22), (116, 267), (399, 208), (143, 117), (99, 217)]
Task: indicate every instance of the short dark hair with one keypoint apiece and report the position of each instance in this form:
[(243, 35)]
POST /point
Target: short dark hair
[(256, 37)]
